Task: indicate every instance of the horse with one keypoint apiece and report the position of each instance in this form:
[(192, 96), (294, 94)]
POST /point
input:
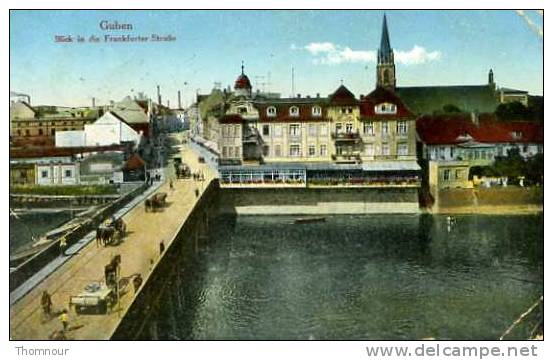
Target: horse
[(104, 235), (120, 227)]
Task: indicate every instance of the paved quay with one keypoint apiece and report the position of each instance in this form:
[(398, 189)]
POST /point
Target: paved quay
[(85, 264)]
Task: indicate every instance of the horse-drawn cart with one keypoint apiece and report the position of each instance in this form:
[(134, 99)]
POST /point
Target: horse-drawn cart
[(156, 202), (96, 298)]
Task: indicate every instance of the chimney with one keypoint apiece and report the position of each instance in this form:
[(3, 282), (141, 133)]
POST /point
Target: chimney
[(158, 96), (309, 96), (93, 102), (111, 103), (178, 96), (168, 104), (318, 95), (299, 96), (474, 118)]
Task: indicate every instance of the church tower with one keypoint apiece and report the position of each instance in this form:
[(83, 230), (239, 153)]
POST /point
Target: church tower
[(385, 67)]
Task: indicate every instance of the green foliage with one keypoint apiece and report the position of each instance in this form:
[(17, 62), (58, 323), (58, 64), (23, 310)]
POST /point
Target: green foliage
[(451, 109), (517, 111), (513, 166), (68, 190)]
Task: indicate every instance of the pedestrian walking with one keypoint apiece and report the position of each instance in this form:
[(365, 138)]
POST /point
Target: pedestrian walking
[(46, 302), (63, 245), (161, 247), (197, 192), (64, 319), (137, 281), (171, 184)]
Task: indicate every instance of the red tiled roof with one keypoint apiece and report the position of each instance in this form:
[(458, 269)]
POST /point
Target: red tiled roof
[(449, 129), (283, 112), (134, 162), (342, 96), (37, 152), (381, 95)]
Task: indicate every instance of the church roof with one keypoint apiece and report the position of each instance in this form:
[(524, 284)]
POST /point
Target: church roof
[(385, 47), (430, 99)]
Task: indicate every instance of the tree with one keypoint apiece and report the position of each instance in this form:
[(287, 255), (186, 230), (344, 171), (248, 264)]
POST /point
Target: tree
[(512, 111), (451, 109)]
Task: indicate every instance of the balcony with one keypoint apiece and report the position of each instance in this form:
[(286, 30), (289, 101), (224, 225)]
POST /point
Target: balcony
[(346, 136), (346, 158)]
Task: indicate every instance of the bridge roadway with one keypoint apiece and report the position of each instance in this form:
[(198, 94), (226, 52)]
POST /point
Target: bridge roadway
[(138, 249)]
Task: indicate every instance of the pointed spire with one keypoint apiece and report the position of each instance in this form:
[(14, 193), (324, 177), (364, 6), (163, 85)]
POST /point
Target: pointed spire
[(242, 67), (385, 48)]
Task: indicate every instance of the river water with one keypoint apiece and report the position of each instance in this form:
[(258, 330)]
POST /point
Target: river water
[(34, 224), (361, 277)]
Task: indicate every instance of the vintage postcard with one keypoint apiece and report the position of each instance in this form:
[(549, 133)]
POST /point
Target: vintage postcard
[(276, 175)]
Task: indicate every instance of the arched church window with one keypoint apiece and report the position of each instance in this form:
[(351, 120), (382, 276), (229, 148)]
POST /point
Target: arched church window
[(386, 76)]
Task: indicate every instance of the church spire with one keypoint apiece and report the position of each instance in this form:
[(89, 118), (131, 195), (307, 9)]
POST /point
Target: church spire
[(385, 67), (385, 40)]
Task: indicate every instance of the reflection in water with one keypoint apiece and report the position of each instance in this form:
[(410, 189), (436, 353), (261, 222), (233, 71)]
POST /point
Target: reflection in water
[(360, 277)]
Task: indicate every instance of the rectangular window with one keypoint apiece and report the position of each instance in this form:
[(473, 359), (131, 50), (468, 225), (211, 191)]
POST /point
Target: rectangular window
[(458, 174), (67, 173), (311, 150), (295, 130), (323, 130), (402, 149), (266, 150), (323, 150), (265, 130), (44, 174), (277, 150), (349, 128), (402, 127), (368, 128), (224, 151), (384, 128), (230, 152), (385, 149), (369, 149), (312, 130), (295, 150), (277, 131), (446, 175), (338, 127), (238, 153)]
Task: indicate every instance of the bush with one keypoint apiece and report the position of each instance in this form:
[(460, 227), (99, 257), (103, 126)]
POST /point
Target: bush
[(67, 190)]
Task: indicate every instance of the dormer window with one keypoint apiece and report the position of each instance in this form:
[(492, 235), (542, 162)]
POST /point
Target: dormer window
[(242, 110), (316, 111), (516, 135), (385, 108), (271, 111), (294, 111)]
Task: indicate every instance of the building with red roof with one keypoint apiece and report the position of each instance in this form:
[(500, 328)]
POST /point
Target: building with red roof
[(477, 138)]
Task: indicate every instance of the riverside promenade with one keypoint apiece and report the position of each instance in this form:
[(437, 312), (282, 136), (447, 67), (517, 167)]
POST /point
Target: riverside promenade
[(140, 253)]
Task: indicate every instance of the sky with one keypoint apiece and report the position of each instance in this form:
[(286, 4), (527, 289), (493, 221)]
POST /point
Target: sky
[(325, 48)]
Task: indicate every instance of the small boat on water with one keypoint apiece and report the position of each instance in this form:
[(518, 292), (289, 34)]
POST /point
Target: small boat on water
[(309, 220)]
